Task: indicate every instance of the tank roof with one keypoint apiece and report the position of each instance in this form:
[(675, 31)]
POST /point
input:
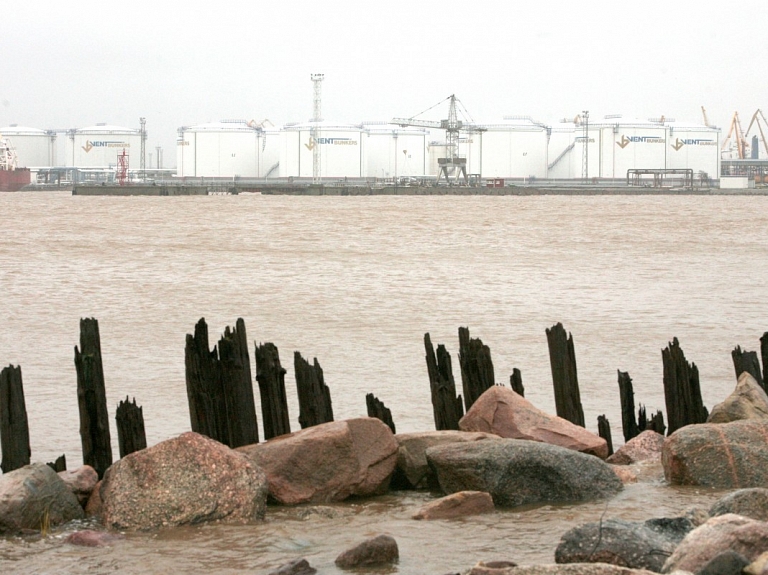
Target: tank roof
[(13, 129), (106, 129)]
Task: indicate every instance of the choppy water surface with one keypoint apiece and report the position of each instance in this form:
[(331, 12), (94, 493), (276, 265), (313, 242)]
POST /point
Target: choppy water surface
[(356, 282)]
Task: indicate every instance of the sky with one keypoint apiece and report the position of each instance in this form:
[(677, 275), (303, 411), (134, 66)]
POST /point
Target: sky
[(77, 63)]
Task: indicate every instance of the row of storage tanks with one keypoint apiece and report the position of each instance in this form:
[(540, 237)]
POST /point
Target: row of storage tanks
[(515, 148)]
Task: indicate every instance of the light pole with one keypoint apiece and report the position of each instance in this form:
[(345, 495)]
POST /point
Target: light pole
[(585, 137)]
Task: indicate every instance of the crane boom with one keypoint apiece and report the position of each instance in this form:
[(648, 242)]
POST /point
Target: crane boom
[(418, 123)]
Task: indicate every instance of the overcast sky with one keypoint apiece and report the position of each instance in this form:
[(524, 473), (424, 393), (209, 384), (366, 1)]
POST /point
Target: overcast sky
[(74, 64)]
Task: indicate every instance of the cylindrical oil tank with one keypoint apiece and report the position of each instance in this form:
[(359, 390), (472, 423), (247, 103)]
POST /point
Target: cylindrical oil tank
[(627, 144), (395, 152), (515, 148), (34, 148), (342, 150), (695, 147), (98, 147), (571, 142), (231, 148)]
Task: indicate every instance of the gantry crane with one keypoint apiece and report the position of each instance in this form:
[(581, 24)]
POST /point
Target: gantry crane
[(759, 120), (738, 136), (452, 126)]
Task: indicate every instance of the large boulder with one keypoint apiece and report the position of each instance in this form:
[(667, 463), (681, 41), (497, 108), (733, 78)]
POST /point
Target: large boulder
[(412, 470), (722, 533), (638, 545), (327, 462), (518, 472), (35, 497), (726, 455), (645, 447), (752, 503), (501, 411), (80, 481), (748, 401), (186, 480), (377, 551)]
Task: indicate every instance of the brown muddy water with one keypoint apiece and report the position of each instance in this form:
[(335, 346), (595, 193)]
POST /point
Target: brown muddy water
[(356, 282)]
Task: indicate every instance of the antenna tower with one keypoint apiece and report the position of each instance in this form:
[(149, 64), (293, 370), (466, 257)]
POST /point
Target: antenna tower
[(122, 168), (142, 161), (317, 80)]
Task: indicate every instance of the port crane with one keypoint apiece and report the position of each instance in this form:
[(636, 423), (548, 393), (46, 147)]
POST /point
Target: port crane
[(738, 136), (758, 119), (453, 163)]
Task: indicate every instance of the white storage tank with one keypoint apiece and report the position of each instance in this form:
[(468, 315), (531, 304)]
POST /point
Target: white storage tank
[(627, 144), (35, 148), (342, 150), (515, 148), (226, 149), (395, 152), (98, 147), (565, 151), (695, 147)]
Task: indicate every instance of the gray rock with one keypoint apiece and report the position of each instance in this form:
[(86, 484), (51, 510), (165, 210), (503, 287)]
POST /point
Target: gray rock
[(569, 569), (751, 502), (519, 472), (726, 563), (638, 545), (748, 401), (296, 567), (35, 497), (380, 550)]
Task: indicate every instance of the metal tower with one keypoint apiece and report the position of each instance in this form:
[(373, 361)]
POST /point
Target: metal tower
[(317, 80), (142, 161)]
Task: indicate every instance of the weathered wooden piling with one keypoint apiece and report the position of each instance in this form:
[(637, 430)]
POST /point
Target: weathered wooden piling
[(270, 375), (59, 465), (627, 398), (14, 427), (682, 392), (656, 423), (764, 356), (377, 409), (446, 405), (516, 382), (747, 361), (92, 399), (235, 373), (604, 431), (562, 359), (314, 396), (130, 427), (476, 367)]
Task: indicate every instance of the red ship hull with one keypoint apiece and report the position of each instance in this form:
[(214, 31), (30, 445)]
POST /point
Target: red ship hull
[(14, 180)]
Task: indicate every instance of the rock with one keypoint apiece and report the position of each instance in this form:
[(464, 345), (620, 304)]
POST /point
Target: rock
[(186, 480), (35, 497), (751, 503), (296, 567), (722, 533), (726, 563), (625, 474), (412, 470), (327, 462), (492, 567), (461, 504), (748, 401), (638, 545), (380, 550), (93, 506), (517, 472), (644, 447), (80, 481), (501, 411), (759, 566), (92, 538), (725, 455), (569, 569)]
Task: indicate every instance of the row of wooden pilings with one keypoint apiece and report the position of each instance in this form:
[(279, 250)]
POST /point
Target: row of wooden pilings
[(222, 406)]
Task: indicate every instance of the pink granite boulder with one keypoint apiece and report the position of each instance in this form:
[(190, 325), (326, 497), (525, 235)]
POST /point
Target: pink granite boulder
[(646, 446), (501, 411), (80, 481), (461, 504)]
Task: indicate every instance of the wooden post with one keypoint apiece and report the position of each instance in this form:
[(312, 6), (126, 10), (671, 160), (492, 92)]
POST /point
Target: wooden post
[(130, 427), (314, 396), (657, 423), (516, 382), (562, 359), (627, 398), (377, 409), (747, 361), (14, 428), (237, 387), (682, 392), (59, 465), (476, 367), (271, 378), (92, 399), (446, 406), (205, 394), (764, 355), (604, 431)]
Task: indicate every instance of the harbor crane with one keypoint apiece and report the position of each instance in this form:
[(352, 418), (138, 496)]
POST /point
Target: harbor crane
[(758, 119), (740, 136), (453, 163)]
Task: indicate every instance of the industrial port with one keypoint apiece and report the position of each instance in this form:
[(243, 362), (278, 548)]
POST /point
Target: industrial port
[(398, 155)]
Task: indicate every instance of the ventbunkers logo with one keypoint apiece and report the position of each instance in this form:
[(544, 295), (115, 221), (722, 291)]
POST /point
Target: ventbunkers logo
[(626, 140), (329, 142), (692, 142), (89, 145)]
